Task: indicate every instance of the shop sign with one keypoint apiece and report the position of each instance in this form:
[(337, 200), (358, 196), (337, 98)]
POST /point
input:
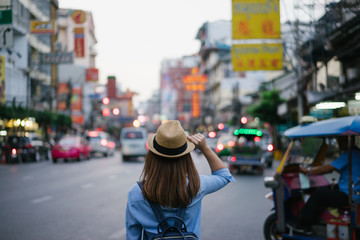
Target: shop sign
[(253, 57), (57, 57), (256, 19), (41, 27), (92, 75), (6, 16)]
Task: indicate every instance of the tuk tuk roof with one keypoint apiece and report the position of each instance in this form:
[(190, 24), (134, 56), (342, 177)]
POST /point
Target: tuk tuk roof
[(331, 127)]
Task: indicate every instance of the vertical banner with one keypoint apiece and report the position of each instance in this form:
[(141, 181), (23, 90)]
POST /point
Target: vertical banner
[(256, 19), (79, 44), (195, 105), (76, 99), (63, 95), (2, 79)]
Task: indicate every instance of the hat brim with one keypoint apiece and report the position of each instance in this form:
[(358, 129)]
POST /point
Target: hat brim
[(150, 143)]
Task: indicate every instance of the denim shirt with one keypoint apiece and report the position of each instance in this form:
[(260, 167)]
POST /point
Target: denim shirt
[(341, 164), (139, 215)]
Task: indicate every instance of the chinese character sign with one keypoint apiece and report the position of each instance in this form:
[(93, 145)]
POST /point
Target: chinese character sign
[(79, 44), (256, 19), (252, 57)]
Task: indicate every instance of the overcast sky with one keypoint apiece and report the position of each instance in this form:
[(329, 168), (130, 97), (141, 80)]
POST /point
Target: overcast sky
[(134, 36)]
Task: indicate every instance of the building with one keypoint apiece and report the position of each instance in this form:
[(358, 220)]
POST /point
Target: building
[(27, 30), (77, 78)]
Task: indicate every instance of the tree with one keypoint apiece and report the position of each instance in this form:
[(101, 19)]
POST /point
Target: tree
[(266, 111)]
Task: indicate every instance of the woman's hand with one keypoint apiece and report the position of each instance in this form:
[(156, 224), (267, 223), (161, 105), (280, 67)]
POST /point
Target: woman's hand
[(199, 140)]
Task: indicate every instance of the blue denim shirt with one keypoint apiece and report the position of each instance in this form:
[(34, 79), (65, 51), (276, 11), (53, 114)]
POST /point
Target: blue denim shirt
[(139, 214), (341, 164)]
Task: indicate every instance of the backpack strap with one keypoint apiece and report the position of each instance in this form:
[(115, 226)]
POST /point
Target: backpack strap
[(159, 214)]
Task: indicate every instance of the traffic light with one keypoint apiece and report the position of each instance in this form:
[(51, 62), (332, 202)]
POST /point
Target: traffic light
[(106, 112)]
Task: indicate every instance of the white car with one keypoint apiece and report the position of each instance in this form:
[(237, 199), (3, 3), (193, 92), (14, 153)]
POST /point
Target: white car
[(133, 142), (99, 143)]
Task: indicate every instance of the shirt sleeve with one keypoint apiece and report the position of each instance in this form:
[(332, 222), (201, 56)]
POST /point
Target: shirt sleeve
[(133, 227), (217, 180), (341, 162)]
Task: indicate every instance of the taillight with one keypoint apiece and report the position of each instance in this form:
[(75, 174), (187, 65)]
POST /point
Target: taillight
[(147, 147), (13, 151), (111, 144), (28, 145), (103, 142), (219, 147), (233, 158), (270, 147), (231, 143)]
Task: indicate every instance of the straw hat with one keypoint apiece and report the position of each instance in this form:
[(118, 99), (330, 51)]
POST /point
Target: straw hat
[(170, 140)]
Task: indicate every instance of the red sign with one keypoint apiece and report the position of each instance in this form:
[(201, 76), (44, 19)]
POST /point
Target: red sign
[(92, 75), (79, 44)]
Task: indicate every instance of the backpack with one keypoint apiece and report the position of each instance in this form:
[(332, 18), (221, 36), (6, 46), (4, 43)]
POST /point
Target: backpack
[(172, 227)]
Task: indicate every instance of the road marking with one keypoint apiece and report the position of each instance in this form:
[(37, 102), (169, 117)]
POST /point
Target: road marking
[(118, 235), (29, 177), (43, 199), (88, 185)]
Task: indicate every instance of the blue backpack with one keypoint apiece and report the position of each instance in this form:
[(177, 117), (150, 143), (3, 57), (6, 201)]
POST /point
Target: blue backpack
[(172, 227)]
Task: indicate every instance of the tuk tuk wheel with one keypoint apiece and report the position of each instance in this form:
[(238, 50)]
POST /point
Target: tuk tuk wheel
[(270, 231)]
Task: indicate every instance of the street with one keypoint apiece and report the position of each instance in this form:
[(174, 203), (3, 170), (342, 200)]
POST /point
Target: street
[(87, 200)]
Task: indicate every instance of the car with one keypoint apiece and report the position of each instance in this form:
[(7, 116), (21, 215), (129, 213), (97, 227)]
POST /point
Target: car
[(133, 142), (99, 142), (225, 144), (42, 147), (253, 151), (71, 147), (19, 149)]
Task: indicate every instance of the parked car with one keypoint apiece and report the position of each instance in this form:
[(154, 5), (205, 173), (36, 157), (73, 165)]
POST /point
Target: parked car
[(71, 147), (42, 147), (19, 149), (99, 142), (133, 142)]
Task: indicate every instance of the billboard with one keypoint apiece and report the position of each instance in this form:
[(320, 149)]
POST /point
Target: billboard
[(56, 57), (253, 57), (41, 27), (256, 19)]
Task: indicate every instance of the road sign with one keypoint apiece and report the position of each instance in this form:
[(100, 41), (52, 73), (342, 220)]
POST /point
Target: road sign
[(6, 36)]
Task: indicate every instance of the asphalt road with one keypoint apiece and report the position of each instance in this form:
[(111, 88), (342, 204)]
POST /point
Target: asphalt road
[(87, 201)]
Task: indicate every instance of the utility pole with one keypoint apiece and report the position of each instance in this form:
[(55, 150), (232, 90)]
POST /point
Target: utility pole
[(299, 74)]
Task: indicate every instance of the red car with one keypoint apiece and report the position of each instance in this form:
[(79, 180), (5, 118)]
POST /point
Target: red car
[(71, 147)]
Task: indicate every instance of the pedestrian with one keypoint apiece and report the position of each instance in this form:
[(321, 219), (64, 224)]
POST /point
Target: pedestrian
[(170, 178), (329, 197)]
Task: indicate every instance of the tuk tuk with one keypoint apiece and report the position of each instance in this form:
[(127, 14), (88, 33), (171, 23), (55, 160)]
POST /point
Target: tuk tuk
[(314, 144)]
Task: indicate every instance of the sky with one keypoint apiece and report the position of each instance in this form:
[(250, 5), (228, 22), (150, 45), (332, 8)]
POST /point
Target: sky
[(134, 36)]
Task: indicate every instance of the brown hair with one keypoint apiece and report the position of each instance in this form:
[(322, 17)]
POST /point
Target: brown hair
[(165, 180)]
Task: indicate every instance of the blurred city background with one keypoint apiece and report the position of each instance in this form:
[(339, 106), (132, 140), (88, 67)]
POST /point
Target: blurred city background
[(252, 78)]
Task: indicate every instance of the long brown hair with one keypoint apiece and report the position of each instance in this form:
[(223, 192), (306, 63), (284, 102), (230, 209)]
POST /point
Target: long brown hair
[(165, 180)]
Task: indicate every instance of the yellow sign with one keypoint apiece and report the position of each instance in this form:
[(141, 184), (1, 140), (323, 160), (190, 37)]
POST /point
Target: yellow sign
[(78, 16), (39, 27), (252, 57), (256, 19), (2, 79)]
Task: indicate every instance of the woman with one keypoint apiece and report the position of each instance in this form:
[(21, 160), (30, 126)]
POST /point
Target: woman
[(170, 179)]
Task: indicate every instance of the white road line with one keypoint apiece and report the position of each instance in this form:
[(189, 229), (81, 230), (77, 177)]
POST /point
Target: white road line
[(88, 185), (43, 199), (118, 235)]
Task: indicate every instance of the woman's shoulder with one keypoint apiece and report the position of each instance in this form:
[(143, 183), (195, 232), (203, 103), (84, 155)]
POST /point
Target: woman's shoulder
[(135, 193)]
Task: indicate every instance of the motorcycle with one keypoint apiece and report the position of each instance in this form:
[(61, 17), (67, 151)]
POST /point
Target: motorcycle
[(312, 145)]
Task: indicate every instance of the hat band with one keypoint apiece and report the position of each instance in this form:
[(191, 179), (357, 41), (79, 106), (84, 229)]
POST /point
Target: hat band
[(169, 151)]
